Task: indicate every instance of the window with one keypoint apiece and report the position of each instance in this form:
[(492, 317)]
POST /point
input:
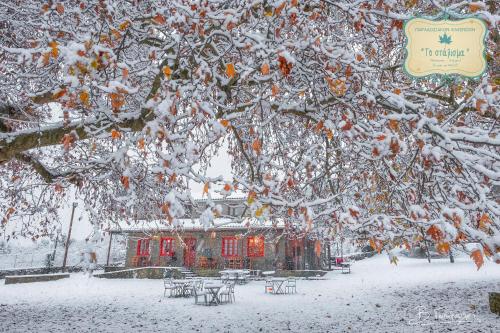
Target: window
[(229, 247), (167, 247), (143, 247), (255, 246)]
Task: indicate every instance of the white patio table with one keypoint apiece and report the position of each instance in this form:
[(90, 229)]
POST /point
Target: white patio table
[(213, 291), (278, 285), (183, 287)]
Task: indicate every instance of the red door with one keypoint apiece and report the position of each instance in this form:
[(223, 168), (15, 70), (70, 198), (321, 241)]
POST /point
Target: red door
[(190, 252)]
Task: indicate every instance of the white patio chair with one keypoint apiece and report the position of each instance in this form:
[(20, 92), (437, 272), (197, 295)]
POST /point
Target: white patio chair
[(228, 293), (269, 285), (198, 294), (168, 285), (291, 285)]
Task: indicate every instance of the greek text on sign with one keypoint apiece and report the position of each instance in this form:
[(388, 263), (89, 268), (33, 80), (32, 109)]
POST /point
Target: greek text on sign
[(445, 47)]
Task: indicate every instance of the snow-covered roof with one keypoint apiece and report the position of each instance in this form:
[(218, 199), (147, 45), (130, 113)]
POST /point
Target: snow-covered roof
[(196, 225)]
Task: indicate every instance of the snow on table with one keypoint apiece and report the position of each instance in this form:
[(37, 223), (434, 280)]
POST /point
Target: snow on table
[(376, 297)]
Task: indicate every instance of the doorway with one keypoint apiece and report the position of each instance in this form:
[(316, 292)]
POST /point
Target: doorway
[(190, 252)]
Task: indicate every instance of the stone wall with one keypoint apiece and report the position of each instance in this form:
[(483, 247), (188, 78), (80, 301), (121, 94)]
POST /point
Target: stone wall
[(34, 278), (140, 273), (37, 270)]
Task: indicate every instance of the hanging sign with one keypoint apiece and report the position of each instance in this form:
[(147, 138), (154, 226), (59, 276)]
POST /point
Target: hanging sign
[(445, 47)]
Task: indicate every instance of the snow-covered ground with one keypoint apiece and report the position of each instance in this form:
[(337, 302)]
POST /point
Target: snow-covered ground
[(377, 297)]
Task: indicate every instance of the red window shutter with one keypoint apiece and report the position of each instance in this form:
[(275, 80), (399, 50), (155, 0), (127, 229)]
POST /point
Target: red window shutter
[(138, 252)]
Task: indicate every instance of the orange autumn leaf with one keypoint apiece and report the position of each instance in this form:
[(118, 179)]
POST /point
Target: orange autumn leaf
[(319, 126), (160, 19), (397, 91), (354, 213), (205, 188), (264, 69), (84, 97), (55, 51), (443, 247), (275, 90), (46, 58), (474, 7), (124, 25), (125, 182), (117, 100), (251, 197), (115, 134), (348, 71), (59, 93), (230, 71), (435, 233), (284, 65), (376, 245), (256, 146), (167, 71), (227, 187), (393, 124), (60, 8), (477, 256), (224, 122), (485, 219), (140, 143), (337, 86), (329, 134), (278, 9), (173, 178), (67, 141), (479, 105), (394, 146)]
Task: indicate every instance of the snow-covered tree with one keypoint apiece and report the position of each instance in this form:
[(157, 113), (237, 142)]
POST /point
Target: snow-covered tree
[(324, 128)]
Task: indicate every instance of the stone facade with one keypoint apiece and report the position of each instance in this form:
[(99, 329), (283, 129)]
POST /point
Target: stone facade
[(209, 244), (278, 252)]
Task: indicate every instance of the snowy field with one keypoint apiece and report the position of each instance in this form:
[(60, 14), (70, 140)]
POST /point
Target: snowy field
[(377, 297)]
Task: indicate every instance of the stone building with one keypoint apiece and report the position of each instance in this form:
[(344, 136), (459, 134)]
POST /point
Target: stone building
[(234, 240)]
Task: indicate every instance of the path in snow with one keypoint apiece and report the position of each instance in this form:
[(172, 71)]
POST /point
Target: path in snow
[(376, 297)]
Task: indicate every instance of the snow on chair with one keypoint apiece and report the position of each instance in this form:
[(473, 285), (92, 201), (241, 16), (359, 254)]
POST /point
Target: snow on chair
[(168, 285), (228, 293), (269, 285), (199, 293), (291, 285)]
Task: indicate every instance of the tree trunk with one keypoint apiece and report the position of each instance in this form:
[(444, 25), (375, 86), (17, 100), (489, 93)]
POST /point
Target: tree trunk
[(452, 259), (329, 256), (495, 302)]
